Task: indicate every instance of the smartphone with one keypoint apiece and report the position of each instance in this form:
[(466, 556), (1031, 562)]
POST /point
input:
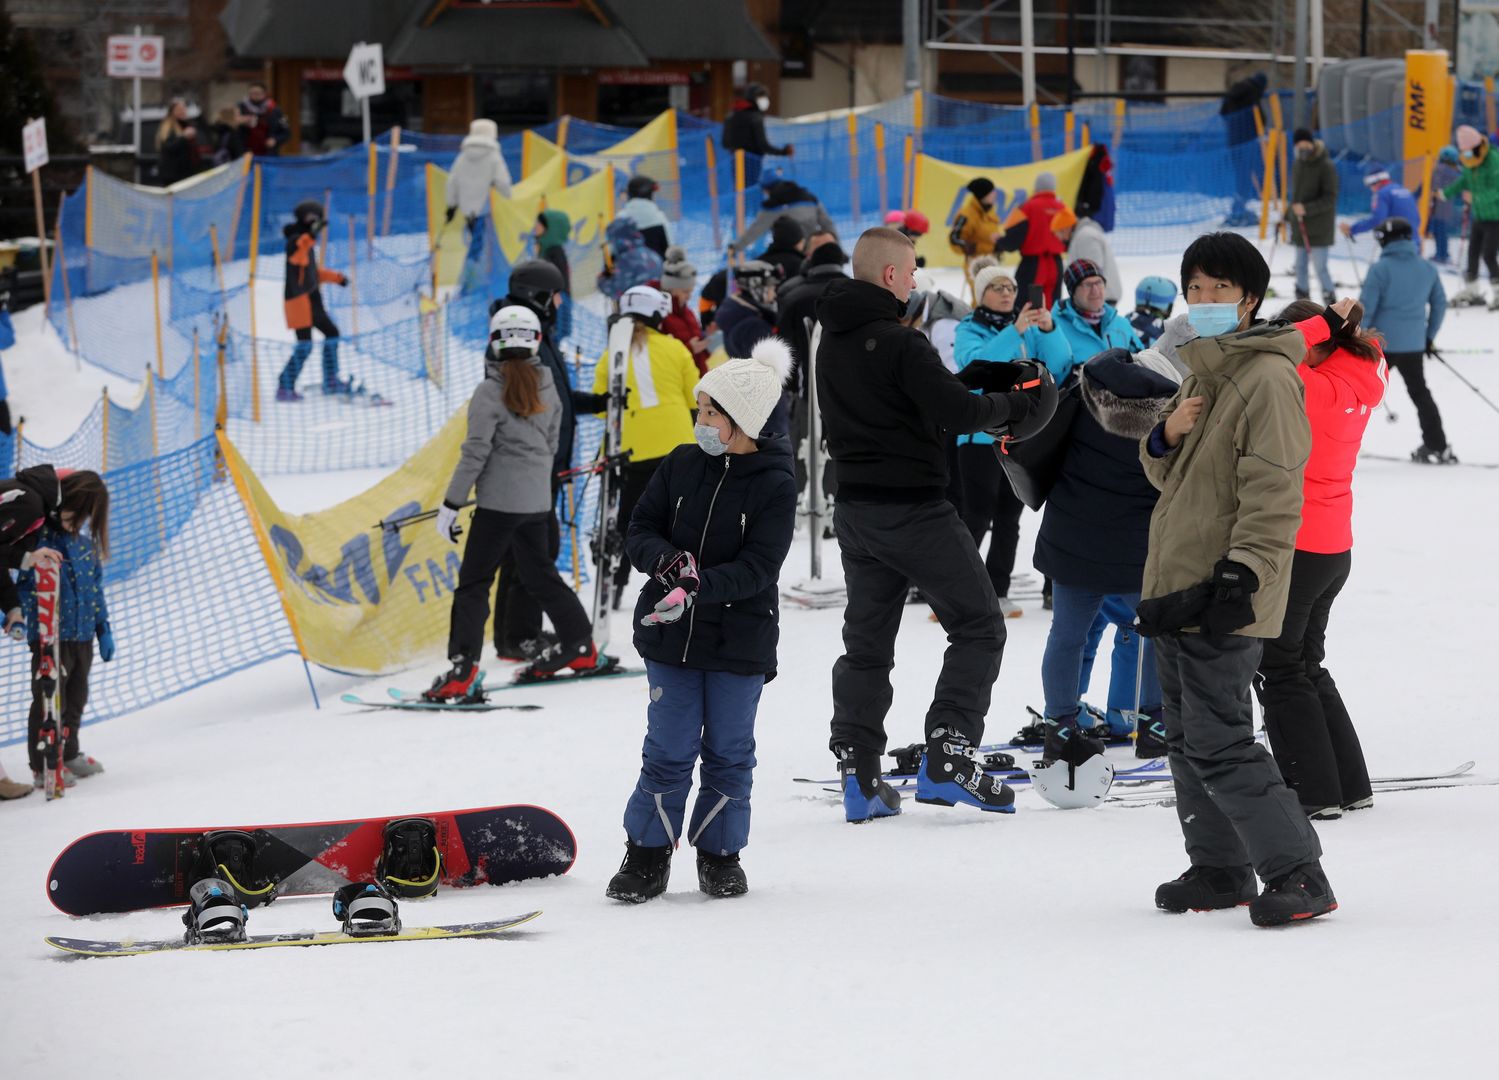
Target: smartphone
[(1036, 297)]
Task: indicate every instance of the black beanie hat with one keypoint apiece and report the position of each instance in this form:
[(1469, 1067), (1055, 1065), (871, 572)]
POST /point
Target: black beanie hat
[(980, 187), (785, 232), (1302, 135), (1079, 271)]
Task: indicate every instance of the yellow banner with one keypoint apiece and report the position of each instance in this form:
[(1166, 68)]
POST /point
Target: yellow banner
[(359, 597), (941, 188), (652, 150), (1428, 110)]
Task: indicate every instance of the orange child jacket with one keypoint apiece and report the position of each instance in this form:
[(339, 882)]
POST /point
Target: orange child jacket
[(1032, 227), (303, 276)]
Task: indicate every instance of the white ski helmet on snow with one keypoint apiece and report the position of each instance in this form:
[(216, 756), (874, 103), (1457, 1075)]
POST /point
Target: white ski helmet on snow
[(514, 329), (647, 303), (1073, 786)]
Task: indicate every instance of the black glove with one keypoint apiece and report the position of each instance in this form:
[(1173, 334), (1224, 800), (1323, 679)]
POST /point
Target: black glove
[(595, 403), (1018, 405), (677, 569), (1231, 607), (451, 211), (1431, 349)]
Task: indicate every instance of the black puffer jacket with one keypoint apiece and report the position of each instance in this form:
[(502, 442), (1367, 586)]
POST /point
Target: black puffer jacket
[(889, 406), (736, 514), (1096, 525), (27, 502)]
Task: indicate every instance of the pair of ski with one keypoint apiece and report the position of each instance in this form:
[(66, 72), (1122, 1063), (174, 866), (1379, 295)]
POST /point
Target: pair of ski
[(413, 701), (134, 870), (1150, 771), (1458, 776), (1408, 461)]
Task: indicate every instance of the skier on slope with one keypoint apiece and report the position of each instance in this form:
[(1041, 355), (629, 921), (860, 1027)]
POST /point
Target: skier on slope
[(744, 129), (1228, 456), (507, 462), (783, 197), (711, 531), (82, 615), (888, 405), (304, 303), (478, 169), (641, 208), (1479, 186), (1311, 733), (539, 287), (659, 377)]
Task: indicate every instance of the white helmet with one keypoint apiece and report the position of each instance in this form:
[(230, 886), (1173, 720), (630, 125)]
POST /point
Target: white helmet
[(1073, 786), (514, 328), (644, 302)]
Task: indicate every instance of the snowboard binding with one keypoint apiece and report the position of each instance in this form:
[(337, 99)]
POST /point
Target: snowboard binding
[(229, 855), (214, 914), (410, 864), (366, 910)]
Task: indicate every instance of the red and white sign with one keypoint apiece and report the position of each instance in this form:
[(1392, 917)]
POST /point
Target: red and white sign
[(134, 56), (34, 144)]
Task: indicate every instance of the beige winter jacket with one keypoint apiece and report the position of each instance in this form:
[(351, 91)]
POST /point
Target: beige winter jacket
[(1232, 489)]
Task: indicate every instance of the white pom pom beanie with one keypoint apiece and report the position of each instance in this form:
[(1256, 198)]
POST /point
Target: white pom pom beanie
[(749, 389)]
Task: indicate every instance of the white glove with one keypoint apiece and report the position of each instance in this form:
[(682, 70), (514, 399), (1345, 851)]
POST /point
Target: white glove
[(447, 523)]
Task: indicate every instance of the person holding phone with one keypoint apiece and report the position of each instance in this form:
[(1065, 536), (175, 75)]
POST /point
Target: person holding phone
[(994, 332)]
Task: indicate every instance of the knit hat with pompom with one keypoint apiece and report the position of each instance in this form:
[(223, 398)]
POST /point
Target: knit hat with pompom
[(749, 389)]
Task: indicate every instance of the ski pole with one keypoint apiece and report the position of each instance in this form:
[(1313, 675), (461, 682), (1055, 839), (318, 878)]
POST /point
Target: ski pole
[(1481, 396), (1357, 277), (397, 524)]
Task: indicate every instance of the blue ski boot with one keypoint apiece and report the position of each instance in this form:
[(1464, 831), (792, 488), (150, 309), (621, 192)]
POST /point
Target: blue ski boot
[(865, 795), (1150, 733), (952, 772)]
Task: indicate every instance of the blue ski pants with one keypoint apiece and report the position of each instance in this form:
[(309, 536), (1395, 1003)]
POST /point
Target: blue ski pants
[(693, 714), (1078, 619)]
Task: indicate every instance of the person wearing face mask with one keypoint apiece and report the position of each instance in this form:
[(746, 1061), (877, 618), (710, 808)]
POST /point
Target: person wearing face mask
[(744, 129), (889, 408), (1090, 323), (994, 332), (711, 532), (659, 377), (975, 227), (1228, 456), (1478, 184)]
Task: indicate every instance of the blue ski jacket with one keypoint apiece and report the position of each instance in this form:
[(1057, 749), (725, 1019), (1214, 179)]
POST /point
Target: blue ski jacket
[(82, 611), (1403, 298)]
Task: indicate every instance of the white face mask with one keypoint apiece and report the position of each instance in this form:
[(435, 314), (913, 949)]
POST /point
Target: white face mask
[(762, 103)]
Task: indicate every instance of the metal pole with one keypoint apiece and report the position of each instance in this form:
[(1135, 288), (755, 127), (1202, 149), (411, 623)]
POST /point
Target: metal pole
[(911, 35), (136, 120), (1298, 79), (365, 108), (1429, 27), (1363, 28), (1027, 52), (1319, 44)]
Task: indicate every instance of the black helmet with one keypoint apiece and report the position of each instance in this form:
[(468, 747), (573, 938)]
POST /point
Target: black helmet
[(641, 187), (536, 284), (309, 212), (993, 377), (1393, 228)]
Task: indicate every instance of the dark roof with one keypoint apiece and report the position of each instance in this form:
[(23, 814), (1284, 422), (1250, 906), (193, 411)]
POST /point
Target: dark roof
[(640, 31), (277, 29), (866, 22), (716, 30)]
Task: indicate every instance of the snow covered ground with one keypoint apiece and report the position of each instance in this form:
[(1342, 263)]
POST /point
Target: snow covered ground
[(940, 942)]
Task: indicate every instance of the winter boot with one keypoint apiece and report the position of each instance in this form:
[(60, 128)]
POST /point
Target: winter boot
[(1470, 295), (10, 789), (1009, 609), (459, 682), (410, 864), (865, 795), (1150, 734), (642, 876), (83, 766), (1359, 804), (1426, 455), (952, 772), (1302, 894), (1207, 888), (532, 647), (214, 914), (578, 656), (1323, 813), (721, 875), (1065, 741), (286, 393)]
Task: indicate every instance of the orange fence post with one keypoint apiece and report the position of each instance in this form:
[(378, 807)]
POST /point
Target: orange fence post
[(156, 307), (906, 179), (738, 193), (1069, 130), (1119, 107), (390, 178), (880, 169), (713, 191), (1425, 193), (853, 164), (371, 185), (1035, 124)]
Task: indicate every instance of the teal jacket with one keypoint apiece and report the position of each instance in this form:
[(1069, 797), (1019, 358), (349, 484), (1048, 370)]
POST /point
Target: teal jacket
[(1113, 332), (979, 341)]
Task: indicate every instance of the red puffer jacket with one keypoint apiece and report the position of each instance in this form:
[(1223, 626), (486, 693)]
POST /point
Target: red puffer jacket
[(1341, 392)]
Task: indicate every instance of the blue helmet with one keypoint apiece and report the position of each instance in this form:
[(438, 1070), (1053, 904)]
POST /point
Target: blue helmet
[(1155, 292), (1448, 154)]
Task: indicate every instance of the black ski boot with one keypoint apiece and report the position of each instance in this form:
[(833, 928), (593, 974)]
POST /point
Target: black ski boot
[(229, 855), (1426, 455), (366, 910), (865, 794), (1150, 734), (214, 913), (721, 875), (581, 657), (642, 876), (953, 772), (410, 864), (1207, 888), (1302, 894), (1065, 741)]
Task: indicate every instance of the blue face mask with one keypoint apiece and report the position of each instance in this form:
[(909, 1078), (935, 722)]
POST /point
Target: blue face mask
[(1210, 320), (709, 440)]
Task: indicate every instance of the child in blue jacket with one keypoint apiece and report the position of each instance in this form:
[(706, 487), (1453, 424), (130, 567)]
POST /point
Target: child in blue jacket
[(711, 531), (83, 615)]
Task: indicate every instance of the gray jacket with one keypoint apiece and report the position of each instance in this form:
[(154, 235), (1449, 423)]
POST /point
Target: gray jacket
[(478, 167), (507, 459), (809, 215)]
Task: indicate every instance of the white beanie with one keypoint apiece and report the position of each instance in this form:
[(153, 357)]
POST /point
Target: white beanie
[(483, 130), (985, 278), (749, 390)]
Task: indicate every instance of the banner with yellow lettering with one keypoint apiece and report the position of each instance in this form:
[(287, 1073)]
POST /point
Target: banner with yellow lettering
[(361, 597), (942, 186)]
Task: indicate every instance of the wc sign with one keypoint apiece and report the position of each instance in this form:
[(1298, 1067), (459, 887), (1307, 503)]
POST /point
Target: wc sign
[(365, 71), (134, 56)]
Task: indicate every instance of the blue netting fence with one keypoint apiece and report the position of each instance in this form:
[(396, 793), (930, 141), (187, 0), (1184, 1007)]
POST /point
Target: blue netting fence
[(189, 595)]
